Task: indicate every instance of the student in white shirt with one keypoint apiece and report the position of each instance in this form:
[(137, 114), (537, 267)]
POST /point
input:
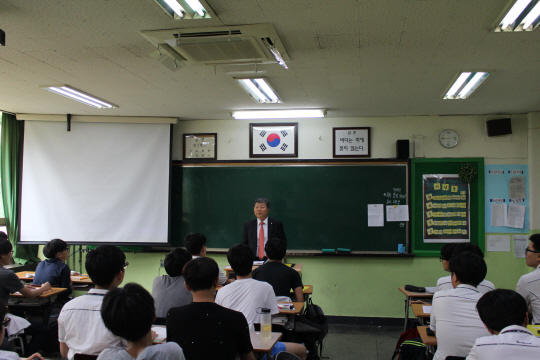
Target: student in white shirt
[(528, 285), (449, 250), (247, 295), (504, 313), (453, 315), (195, 243), (4, 321)]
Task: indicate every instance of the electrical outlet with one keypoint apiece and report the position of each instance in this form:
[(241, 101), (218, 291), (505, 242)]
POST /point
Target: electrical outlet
[(161, 263)]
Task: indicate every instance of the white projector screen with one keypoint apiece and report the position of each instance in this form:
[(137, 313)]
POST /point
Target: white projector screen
[(98, 183)]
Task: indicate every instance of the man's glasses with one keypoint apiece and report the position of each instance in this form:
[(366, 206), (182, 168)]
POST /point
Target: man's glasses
[(442, 259), (6, 322), (126, 264), (529, 250)]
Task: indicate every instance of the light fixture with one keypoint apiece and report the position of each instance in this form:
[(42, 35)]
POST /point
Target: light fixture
[(185, 9), (522, 16), (259, 89), (270, 45), (79, 96), (278, 114), (465, 84)]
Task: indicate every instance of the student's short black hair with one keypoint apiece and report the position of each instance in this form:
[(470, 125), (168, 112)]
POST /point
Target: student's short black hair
[(262, 201), (201, 273), (500, 308), (447, 250), (5, 246), (53, 247), (535, 239), (175, 261), (240, 258), (468, 247), (194, 243), (469, 268), (275, 249), (128, 312), (3, 235), (104, 263)]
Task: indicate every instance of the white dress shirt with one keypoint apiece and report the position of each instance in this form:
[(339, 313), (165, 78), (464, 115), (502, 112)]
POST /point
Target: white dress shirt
[(513, 342), (528, 286), (445, 283)]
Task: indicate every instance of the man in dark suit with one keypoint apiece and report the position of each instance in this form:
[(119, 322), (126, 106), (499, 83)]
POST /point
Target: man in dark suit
[(258, 231)]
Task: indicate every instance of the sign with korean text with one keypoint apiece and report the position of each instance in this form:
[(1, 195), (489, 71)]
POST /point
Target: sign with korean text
[(352, 142)]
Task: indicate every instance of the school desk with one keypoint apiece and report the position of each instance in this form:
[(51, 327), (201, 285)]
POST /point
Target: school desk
[(426, 339), (418, 310), (17, 299), (80, 282), (409, 295), (307, 290), (298, 307), (228, 269), (263, 347), (535, 329)]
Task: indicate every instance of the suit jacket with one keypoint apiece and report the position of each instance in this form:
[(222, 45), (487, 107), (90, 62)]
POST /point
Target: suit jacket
[(251, 236)]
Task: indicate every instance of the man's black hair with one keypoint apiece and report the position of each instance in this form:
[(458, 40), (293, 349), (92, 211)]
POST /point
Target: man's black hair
[(5, 246), (469, 268), (535, 239), (240, 258), (53, 247), (201, 273), (194, 243), (175, 261), (275, 249), (104, 263), (262, 201), (447, 250), (500, 308), (128, 312), (468, 247)]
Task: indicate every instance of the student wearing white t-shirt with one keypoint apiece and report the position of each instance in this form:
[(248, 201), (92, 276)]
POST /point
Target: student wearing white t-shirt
[(504, 313), (246, 295), (454, 318), (528, 285)]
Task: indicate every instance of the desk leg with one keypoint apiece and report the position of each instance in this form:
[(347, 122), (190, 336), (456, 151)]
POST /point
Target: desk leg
[(407, 305)]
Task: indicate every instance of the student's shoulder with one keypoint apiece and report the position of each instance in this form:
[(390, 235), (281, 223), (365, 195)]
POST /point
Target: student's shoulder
[(114, 354), (532, 276), (444, 280), (9, 355), (169, 350)]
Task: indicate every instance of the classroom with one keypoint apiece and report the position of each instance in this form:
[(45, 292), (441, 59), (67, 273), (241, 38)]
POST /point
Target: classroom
[(368, 63)]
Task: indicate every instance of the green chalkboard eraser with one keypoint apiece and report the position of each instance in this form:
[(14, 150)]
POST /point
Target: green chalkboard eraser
[(344, 250), (328, 250)]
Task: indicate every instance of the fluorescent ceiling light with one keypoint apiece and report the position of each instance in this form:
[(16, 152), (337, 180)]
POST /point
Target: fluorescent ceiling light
[(260, 90), (465, 84), (278, 114), (184, 9), (79, 96), (522, 16), (175, 6), (197, 7)]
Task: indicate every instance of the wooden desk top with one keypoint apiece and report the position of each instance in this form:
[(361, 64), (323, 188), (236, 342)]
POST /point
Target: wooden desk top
[(298, 307), (46, 294), (419, 310), (415, 294), (80, 279), (263, 346), (297, 267), (428, 340)]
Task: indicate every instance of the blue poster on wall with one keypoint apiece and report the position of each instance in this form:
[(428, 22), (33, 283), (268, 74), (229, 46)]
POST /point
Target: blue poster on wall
[(506, 186)]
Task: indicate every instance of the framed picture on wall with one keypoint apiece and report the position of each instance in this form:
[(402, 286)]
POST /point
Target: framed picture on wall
[(273, 140), (200, 147), (349, 142)]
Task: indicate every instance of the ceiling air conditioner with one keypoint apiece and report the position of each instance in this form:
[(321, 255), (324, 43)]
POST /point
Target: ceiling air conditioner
[(242, 44)]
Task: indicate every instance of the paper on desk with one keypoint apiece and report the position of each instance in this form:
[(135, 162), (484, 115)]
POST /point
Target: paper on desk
[(516, 188), (375, 215), (498, 215), (498, 243), (258, 263), (397, 213), (426, 309), (516, 216), (520, 243), (161, 332)]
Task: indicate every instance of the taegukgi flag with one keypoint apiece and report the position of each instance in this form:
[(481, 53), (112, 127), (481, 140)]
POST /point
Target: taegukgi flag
[(274, 140)]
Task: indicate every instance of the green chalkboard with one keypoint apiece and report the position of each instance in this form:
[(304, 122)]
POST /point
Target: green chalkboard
[(321, 205)]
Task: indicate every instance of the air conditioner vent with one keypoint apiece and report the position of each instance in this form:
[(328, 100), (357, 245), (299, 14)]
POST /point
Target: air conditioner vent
[(211, 33)]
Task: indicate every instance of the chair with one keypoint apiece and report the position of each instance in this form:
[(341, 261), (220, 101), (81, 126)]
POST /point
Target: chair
[(14, 339), (286, 356), (85, 357)]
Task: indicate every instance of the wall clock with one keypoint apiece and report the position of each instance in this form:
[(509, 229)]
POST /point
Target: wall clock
[(448, 138)]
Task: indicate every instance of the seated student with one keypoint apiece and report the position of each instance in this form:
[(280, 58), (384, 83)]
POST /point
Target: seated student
[(453, 313), (9, 284), (195, 243), (80, 327), (504, 313), (445, 282), (205, 330), (169, 290), (282, 278), (9, 355), (528, 285), (248, 295), (128, 312), (54, 270)]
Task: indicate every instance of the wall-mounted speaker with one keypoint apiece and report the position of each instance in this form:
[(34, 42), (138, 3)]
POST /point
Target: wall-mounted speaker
[(499, 127), (2, 38), (402, 149)]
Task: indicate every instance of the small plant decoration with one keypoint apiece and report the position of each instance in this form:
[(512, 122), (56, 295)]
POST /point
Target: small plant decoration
[(467, 173)]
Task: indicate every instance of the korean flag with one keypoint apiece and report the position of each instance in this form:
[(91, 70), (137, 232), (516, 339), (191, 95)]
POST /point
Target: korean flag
[(274, 140)]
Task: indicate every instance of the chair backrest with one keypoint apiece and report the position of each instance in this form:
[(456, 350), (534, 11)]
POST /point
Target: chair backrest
[(286, 356), (85, 357)]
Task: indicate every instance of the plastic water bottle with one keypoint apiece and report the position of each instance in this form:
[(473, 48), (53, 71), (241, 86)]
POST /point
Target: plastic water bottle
[(266, 324)]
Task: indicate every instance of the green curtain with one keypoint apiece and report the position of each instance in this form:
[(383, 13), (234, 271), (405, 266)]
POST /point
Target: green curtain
[(10, 170)]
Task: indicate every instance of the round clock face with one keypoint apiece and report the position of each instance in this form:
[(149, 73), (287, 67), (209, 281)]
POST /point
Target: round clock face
[(448, 138)]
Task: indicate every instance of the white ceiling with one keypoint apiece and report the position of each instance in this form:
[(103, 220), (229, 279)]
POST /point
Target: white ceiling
[(353, 57)]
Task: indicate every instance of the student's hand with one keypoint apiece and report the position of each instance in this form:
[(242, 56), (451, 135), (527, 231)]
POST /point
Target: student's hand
[(154, 335), (36, 356), (46, 286)]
